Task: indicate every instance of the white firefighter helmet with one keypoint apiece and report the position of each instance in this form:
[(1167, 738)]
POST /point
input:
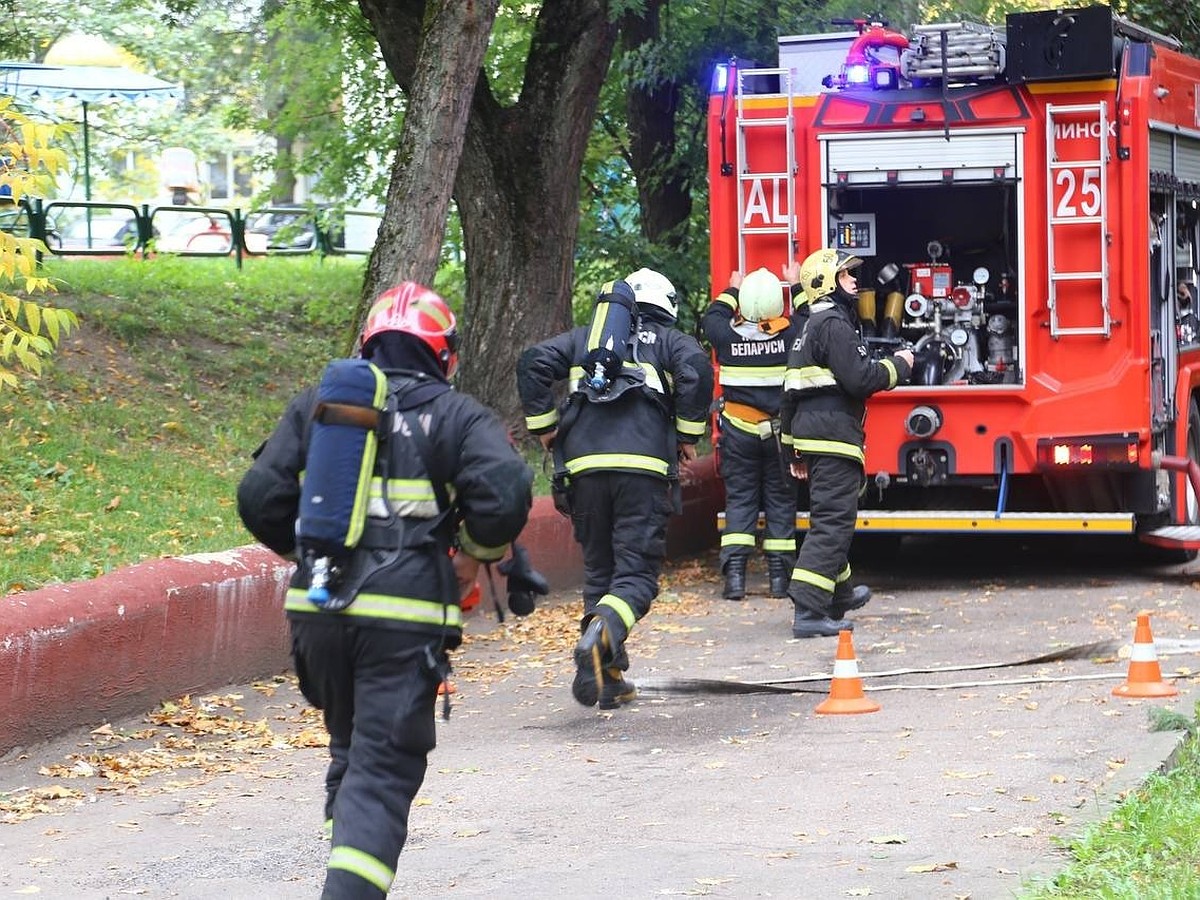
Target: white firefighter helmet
[(761, 296), (652, 288)]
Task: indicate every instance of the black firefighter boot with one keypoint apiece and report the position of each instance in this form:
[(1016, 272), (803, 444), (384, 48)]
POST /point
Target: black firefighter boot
[(615, 688), (599, 668), (735, 578), (779, 573), (849, 599), (807, 623)]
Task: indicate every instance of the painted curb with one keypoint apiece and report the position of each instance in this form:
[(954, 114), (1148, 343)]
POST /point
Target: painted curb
[(87, 652)]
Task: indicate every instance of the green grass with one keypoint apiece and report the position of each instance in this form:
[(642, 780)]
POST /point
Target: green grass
[(131, 445), (1148, 849)]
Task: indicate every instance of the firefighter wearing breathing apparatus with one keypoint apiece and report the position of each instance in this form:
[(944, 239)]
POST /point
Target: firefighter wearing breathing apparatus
[(829, 376), (370, 643), (751, 337), (638, 394)]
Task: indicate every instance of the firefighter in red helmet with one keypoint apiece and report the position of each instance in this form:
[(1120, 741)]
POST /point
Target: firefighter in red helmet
[(828, 378), (374, 666)]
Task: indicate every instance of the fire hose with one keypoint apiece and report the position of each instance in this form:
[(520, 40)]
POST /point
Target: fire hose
[(800, 685)]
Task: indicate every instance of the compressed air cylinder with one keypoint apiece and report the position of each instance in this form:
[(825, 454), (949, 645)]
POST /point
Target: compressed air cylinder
[(339, 466), (614, 318)]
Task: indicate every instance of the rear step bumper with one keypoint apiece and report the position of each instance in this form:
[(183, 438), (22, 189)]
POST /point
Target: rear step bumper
[(978, 521), (987, 521), (1173, 537)]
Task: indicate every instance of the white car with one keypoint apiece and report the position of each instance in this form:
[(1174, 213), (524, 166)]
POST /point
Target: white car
[(113, 232)]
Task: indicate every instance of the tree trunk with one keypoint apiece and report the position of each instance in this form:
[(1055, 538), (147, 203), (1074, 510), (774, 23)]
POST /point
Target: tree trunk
[(663, 182), (517, 185), (518, 195), (435, 51)]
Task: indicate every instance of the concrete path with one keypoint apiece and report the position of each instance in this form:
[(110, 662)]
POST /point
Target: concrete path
[(961, 786)]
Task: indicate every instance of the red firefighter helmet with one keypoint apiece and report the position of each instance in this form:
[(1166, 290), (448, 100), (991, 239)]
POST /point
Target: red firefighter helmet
[(414, 309)]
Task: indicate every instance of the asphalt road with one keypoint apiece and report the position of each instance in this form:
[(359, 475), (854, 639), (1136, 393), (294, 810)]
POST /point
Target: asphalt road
[(961, 786)]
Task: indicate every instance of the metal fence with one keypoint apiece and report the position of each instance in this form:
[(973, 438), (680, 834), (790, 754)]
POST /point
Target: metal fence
[(102, 228)]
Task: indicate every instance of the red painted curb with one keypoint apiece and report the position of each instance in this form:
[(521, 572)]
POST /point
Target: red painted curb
[(84, 653)]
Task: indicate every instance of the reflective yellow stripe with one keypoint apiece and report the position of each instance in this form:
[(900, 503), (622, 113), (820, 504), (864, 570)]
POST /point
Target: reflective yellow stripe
[(686, 426), (358, 515), (409, 497), (758, 429), (807, 377), (733, 539), (404, 488), (545, 420), (381, 606), (597, 326), (477, 550), (652, 380), (832, 448), (810, 577), (752, 376), (612, 601), (364, 865), (617, 461), (786, 438), (893, 376), (727, 300), (778, 545), (844, 575)]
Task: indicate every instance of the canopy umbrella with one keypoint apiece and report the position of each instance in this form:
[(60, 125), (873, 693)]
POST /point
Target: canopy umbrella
[(87, 84)]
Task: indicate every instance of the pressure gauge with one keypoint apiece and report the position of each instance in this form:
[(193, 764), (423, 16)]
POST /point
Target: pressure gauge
[(997, 324), (981, 276), (935, 250), (958, 337)]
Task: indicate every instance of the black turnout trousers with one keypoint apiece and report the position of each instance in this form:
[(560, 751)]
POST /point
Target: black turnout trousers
[(377, 690), (620, 521)]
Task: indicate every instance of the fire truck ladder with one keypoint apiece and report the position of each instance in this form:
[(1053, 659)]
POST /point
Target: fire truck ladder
[(1098, 220), (746, 174)]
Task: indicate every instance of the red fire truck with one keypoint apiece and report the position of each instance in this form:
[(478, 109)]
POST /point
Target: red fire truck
[(1026, 199)]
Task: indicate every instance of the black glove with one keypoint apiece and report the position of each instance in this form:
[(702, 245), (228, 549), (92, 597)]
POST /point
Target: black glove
[(524, 582)]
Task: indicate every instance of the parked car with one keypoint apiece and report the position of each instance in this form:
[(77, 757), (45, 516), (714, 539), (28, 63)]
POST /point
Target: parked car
[(286, 229), (115, 232), (192, 232)]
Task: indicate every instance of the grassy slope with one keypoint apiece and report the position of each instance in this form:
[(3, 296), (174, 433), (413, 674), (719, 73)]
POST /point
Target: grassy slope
[(132, 443)]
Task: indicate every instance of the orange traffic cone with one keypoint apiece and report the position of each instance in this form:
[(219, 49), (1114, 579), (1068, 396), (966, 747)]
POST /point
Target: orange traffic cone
[(446, 687), (845, 690), (1145, 677)]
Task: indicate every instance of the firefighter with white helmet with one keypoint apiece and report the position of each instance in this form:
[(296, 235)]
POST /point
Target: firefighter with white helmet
[(373, 666), (829, 376), (616, 453), (751, 337)]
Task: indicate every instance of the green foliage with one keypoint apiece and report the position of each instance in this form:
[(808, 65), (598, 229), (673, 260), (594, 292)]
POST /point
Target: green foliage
[(132, 445), (325, 62), (1148, 848), (29, 330)]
